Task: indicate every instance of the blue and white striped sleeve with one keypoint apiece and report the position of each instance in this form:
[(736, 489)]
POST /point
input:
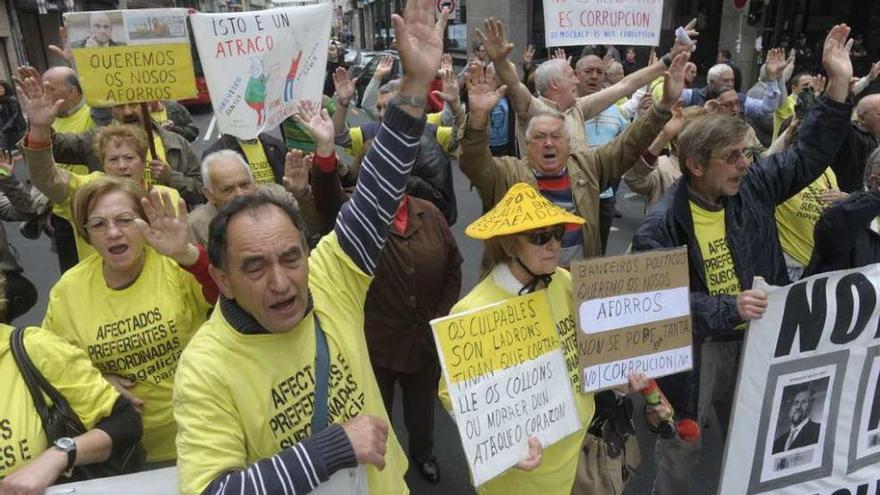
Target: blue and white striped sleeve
[(362, 224), (292, 471)]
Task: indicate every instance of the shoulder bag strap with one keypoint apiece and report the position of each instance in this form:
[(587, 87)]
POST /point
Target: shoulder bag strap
[(322, 378)]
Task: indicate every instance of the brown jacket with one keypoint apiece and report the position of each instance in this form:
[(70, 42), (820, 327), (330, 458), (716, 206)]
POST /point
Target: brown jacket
[(418, 279), (590, 171)]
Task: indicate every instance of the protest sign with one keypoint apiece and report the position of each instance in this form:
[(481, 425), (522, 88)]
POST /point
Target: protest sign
[(259, 64), (507, 381), (132, 56), (633, 314), (350, 481), (591, 22), (807, 403)]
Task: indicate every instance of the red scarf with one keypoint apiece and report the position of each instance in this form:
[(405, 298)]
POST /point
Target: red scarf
[(401, 217)]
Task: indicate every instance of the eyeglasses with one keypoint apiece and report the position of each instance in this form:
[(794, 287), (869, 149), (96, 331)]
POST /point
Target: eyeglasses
[(542, 237), (99, 225), (734, 156)]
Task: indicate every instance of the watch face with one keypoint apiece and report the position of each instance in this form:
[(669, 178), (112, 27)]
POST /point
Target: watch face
[(65, 444)]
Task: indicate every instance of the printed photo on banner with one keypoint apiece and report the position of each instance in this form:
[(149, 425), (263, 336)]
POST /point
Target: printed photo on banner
[(633, 314), (865, 444), (155, 28), (798, 422), (506, 381), (96, 29)]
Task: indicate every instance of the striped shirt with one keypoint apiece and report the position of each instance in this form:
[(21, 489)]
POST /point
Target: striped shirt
[(557, 190), (362, 228)]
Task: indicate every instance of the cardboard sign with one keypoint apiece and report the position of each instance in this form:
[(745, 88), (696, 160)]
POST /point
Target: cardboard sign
[(132, 56), (806, 414), (259, 64), (633, 314), (602, 22), (507, 381)]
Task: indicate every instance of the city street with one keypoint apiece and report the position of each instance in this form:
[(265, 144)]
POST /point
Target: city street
[(41, 267)]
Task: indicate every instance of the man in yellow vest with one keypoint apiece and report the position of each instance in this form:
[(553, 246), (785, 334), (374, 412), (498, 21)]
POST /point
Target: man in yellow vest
[(74, 116), (175, 164)]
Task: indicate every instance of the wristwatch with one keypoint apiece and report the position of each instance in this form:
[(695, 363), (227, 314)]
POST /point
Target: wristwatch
[(68, 446), (413, 101)]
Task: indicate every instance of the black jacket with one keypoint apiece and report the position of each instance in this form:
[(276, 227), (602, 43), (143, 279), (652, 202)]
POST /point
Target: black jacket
[(809, 435), (849, 163), (843, 238), (273, 148), (750, 232)]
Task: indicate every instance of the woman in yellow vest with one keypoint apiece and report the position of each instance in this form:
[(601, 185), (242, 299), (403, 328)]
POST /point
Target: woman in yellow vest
[(528, 230), (134, 306), (29, 461)]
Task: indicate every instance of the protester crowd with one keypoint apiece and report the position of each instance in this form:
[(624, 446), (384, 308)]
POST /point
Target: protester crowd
[(248, 316)]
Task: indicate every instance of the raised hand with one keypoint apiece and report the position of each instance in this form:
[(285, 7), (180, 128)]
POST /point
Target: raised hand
[(420, 44), (652, 57), (344, 85), (673, 80), (559, 54), (296, 172), (6, 164), (483, 94), (446, 62), (494, 39), (160, 171), (819, 82), (674, 126), (37, 105), (166, 231), (319, 124), (528, 54), (64, 51), (679, 47), (835, 54), (875, 71), (383, 68), (775, 63), (451, 91)]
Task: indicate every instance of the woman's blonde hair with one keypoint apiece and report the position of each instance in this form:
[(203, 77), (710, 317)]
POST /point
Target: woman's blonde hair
[(128, 134), (85, 198)]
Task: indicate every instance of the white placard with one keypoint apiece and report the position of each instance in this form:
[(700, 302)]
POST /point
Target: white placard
[(807, 403), (602, 22), (258, 64)]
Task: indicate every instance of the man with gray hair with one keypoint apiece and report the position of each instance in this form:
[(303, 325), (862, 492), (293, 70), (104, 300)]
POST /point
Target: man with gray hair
[(723, 209), (556, 84), (721, 76), (226, 175)]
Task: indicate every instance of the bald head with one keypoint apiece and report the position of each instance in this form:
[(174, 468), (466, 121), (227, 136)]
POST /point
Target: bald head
[(62, 83), (868, 111), (590, 72)]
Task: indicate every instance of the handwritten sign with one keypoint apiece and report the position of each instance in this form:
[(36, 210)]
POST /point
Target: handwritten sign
[(259, 64), (633, 314), (590, 22), (132, 56), (507, 381)]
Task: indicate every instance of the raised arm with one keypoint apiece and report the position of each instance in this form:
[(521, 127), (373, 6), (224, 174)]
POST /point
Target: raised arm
[(344, 86), (476, 159), (37, 146), (773, 68), (362, 225), (494, 39), (595, 103)]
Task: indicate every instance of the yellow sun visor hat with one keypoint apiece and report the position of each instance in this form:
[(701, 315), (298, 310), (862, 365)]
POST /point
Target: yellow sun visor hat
[(521, 209)]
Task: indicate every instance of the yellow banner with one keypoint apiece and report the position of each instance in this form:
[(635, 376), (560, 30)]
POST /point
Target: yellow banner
[(496, 337), (115, 75)]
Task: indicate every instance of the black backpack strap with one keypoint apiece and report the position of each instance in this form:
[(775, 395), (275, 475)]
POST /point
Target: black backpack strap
[(40, 388)]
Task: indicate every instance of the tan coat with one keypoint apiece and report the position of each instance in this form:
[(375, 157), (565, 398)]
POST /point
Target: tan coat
[(590, 171), (650, 181)]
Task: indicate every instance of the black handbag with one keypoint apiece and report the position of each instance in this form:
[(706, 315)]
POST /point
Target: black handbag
[(59, 420)]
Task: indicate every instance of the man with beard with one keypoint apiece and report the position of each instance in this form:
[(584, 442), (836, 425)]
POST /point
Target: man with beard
[(803, 431)]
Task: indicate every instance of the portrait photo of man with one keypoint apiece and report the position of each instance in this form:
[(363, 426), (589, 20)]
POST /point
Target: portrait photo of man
[(802, 431), (100, 32)]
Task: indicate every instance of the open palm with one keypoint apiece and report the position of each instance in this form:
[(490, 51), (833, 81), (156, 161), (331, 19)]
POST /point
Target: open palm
[(420, 39)]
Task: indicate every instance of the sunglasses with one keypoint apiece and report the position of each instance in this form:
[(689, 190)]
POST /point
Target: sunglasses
[(542, 237)]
